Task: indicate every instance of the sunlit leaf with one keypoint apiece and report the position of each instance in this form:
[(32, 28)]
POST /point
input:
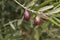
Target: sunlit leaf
[(46, 8), (53, 11)]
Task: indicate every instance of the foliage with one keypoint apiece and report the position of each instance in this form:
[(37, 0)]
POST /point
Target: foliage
[(13, 26)]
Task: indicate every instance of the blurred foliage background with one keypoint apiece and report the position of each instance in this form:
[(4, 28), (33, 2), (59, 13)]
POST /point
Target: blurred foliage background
[(13, 26)]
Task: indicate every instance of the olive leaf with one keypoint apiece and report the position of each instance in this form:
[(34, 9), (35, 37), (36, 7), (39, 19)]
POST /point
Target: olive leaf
[(46, 8), (53, 11)]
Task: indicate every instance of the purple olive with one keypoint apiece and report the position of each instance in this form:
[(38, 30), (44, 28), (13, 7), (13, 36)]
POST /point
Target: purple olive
[(26, 15), (37, 20)]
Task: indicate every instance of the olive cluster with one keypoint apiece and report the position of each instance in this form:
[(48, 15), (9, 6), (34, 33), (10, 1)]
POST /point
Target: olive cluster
[(37, 19)]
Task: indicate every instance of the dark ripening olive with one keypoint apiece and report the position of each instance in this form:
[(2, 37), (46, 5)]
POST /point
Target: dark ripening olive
[(37, 20), (26, 15)]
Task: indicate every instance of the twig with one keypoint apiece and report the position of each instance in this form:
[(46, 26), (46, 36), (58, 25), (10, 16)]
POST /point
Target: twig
[(18, 20), (9, 22)]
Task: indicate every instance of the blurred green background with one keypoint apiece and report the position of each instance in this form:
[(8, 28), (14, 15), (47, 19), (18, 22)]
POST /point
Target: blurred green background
[(13, 26)]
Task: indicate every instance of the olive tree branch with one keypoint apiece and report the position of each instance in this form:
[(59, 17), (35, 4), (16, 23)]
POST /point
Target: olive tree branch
[(10, 22), (39, 12), (24, 7)]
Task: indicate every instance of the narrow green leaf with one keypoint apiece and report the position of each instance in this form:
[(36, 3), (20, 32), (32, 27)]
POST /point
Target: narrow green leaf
[(12, 26), (30, 4), (43, 4), (53, 11), (58, 20), (32, 35), (56, 15), (53, 21), (46, 8), (55, 4), (56, 7), (37, 32)]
